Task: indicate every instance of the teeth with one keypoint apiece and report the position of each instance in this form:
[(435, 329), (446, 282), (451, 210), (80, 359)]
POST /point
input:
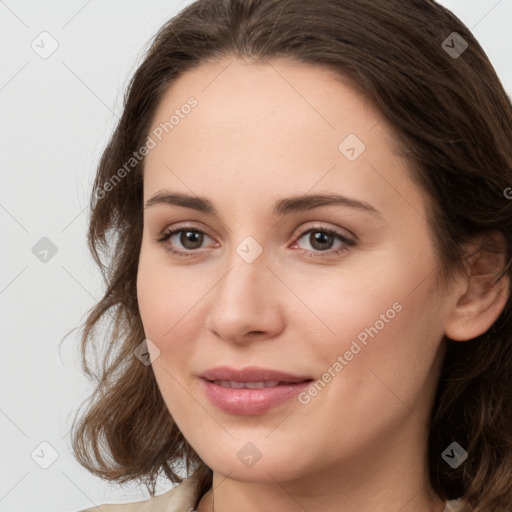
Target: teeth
[(248, 385)]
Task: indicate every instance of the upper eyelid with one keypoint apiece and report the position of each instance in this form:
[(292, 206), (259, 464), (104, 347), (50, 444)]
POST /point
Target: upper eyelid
[(186, 226), (339, 231)]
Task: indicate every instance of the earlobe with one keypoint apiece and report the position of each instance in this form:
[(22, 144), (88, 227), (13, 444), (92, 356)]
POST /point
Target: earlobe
[(482, 300)]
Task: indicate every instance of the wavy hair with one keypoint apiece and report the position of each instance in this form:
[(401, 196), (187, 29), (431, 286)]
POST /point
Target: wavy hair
[(453, 120)]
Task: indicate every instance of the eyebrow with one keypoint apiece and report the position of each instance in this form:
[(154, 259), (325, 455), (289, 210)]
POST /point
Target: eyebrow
[(281, 206)]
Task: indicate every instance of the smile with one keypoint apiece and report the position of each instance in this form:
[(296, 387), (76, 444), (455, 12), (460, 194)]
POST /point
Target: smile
[(250, 398)]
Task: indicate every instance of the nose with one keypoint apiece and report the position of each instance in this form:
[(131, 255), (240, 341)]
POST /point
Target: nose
[(245, 303)]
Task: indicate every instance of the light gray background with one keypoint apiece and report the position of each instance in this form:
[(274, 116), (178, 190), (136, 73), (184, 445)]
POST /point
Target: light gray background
[(56, 116)]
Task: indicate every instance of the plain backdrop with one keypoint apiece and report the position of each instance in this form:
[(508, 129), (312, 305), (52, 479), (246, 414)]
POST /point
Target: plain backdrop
[(57, 113)]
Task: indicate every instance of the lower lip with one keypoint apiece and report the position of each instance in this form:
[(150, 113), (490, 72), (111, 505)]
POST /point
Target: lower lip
[(247, 402)]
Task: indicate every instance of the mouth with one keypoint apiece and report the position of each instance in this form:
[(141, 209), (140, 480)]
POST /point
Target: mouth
[(250, 391), (252, 374), (251, 385)]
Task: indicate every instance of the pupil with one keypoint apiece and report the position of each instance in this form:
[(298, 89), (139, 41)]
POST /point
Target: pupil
[(191, 237), (318, 238)]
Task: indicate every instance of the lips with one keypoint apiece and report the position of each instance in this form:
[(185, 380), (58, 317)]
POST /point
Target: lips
[(247, 385), (251, 390), (251, 374)]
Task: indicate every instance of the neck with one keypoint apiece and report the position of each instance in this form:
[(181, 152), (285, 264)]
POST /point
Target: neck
[(357, 485), (423, 501)]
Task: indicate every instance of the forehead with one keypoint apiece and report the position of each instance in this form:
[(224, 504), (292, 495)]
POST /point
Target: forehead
[(268, 96), (286, 124)]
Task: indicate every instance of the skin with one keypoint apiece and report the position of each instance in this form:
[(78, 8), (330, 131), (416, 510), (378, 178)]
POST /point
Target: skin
[(261, 132)]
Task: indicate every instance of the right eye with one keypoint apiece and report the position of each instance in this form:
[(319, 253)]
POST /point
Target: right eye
[(189, 238)]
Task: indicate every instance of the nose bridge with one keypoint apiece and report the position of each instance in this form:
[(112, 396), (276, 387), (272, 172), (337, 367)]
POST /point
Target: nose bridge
[(241, 286), (246, 270), (242, 301)]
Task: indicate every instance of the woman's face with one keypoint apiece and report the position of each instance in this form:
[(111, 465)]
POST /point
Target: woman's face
[(267, 275)]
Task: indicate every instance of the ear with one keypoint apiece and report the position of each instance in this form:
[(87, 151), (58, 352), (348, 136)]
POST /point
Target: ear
[(478, 299)]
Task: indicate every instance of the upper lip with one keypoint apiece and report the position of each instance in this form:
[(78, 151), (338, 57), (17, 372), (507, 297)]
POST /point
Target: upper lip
[(250, 374)]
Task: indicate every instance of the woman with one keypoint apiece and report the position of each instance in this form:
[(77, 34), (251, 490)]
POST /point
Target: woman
[(307, 229)]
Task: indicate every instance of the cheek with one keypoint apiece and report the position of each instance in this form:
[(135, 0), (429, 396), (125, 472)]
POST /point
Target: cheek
[(165, 306), (375, 331), (354, 303), (172, 305), (151, 297), (166, 298)]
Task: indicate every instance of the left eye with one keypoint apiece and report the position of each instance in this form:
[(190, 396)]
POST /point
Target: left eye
[(323, 239)]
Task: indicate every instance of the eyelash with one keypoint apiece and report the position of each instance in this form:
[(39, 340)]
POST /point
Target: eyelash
[(348, 243)]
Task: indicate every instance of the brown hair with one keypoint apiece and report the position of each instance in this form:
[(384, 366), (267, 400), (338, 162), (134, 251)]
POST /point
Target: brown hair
[(452, 119)]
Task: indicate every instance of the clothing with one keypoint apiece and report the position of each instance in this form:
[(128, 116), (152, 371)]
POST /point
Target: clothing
[(183, 497)]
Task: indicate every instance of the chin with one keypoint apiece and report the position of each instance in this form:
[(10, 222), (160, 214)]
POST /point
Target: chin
[(244, 462)]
